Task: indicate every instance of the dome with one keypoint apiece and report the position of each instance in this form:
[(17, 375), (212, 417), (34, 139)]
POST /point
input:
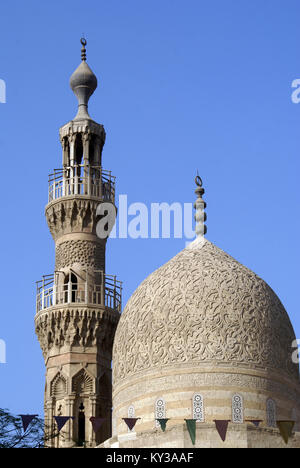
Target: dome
[(203, 324), (203, 306)]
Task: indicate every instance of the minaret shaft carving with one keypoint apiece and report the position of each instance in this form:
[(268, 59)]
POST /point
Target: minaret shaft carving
[(78, 306)]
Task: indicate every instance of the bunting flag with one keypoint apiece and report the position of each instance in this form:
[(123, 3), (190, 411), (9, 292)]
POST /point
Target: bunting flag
[(61, 421), (221, 426), (26, 419), (97, 423), (191, 426), (163, 423), (285, 429), (256, 422), (131, 422)]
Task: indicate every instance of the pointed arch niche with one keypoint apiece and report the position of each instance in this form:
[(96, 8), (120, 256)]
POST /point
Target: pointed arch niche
[(58, 386), (83, 386)]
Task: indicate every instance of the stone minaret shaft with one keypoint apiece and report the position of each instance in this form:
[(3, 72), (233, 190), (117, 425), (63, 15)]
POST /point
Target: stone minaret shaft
[(78, 307)]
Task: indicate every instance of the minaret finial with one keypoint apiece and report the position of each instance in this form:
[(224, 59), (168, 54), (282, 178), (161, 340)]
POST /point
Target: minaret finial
[(200, 205), (83, 49), (83, 82)]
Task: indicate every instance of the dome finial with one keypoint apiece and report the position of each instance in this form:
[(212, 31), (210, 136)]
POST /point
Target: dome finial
[(200, 205), (83, 49), (83, 83)]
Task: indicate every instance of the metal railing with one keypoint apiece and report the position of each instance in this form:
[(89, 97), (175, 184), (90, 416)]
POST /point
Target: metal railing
[(82, 180), (107, 293)]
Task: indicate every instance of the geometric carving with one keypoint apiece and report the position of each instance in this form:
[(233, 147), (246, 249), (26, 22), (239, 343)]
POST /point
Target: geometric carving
[(203, 307), (80, 326), (58, 387), (72, 215), (271, 413), (237, 409), (86, 253), (82, 383), (198, 408)]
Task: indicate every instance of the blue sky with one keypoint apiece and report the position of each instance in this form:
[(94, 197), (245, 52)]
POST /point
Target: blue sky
[(182, 85)]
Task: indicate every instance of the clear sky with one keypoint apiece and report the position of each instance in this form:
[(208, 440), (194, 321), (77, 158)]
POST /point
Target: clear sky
[(182, 85)]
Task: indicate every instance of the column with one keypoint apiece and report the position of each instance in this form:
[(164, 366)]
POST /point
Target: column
[(70, 412), (93, 405), (86, 172), (70, 183)]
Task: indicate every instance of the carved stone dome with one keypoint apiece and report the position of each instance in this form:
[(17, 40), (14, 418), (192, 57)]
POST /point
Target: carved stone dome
[(204, 326), (203, 306)]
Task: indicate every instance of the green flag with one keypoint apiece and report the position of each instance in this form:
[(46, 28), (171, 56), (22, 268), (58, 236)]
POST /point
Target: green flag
[(191, 425), (285, 429), (163, 423)]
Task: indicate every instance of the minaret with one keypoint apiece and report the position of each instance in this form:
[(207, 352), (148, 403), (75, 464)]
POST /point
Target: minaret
[(78, 307)]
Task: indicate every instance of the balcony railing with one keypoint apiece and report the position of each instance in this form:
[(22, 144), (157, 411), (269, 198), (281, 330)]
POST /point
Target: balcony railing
[(82, 180), (108, 293)]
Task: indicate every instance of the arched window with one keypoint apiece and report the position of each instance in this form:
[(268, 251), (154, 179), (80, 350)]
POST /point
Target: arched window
[(271, 413), (92, 147), (160, 410), (73, 288), (237, 409), (66, 151), (198, 408), (78, 150), (77, 170)]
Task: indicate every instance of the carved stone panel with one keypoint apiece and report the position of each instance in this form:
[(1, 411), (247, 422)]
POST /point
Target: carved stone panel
[(76, 327), (86, 253), (69, 215)]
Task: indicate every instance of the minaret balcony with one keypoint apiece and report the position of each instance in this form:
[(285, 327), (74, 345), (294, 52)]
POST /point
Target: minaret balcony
[(106, 294), (83, 180)]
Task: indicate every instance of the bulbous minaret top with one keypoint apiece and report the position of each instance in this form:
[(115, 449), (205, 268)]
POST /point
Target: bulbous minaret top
[(83, 83)]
